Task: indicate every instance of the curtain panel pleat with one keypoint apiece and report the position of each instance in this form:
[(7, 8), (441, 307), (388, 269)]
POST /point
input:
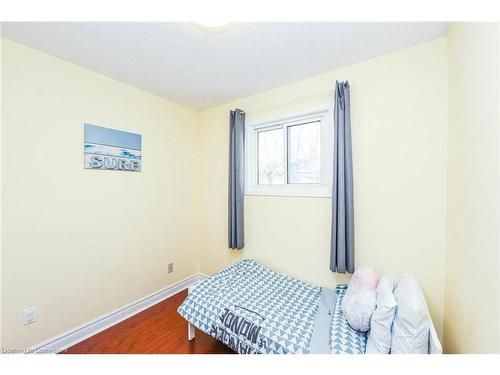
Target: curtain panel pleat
[(236, 179), (342, 233)]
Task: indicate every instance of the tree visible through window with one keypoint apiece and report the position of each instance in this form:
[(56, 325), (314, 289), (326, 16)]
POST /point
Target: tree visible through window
[(304, 153), (290, 157), (270, 150), (290, 154)]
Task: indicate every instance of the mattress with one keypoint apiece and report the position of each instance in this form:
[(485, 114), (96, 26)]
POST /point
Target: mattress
[(252, 309), (255, 310)]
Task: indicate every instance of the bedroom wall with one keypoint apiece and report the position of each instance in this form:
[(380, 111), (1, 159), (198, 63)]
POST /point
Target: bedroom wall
[(399, 112), (473, 190), (79, 243)]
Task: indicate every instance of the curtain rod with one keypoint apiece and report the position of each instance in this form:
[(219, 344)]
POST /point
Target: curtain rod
[(294, 101)]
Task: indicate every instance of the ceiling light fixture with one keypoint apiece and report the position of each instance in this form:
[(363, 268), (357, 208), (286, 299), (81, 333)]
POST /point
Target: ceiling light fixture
[(213, 26)]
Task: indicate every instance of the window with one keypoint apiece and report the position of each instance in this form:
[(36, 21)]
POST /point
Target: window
[(290, 157)]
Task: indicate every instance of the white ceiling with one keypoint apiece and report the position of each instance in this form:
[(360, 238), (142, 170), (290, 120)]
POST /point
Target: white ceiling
[(201, 70)]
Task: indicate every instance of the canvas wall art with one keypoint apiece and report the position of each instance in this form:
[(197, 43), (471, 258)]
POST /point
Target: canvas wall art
[(111, 149)]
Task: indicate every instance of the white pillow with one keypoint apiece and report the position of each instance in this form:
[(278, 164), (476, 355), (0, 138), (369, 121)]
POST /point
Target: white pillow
[(410, 330), (360, 299), (380, 337)]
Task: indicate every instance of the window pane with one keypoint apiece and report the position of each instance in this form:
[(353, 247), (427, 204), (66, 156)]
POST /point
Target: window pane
[(270, 152), (304, 153)]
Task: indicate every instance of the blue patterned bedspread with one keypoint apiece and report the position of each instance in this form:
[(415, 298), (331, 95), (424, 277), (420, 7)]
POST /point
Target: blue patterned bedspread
[(252, 309), (344, 339)]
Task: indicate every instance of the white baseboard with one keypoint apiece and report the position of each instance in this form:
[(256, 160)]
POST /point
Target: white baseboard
[(86, 330)]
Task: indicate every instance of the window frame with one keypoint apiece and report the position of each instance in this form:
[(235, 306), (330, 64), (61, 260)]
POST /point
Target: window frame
[(322, 189)]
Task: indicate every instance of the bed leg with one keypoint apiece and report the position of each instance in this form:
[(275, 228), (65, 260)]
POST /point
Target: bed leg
[(190, 331)]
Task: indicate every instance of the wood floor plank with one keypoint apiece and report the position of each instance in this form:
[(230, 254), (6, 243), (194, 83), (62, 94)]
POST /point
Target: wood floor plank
[(156, 330)]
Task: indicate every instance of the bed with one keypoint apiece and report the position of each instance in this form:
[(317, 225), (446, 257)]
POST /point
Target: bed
[(254, 310)]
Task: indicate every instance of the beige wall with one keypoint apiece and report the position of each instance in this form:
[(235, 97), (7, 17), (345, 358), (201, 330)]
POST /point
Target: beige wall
[(472, 313), (399, 112), (80, 243)]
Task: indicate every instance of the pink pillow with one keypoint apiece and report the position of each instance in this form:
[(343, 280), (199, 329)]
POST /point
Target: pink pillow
[(359, 302), (364, 277)]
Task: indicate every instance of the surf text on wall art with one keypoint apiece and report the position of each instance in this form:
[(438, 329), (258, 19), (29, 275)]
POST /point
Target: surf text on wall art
[(111, 149)]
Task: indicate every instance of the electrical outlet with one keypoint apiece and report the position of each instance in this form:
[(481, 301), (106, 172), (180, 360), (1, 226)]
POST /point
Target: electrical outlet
[(29, 315), (170, 267)]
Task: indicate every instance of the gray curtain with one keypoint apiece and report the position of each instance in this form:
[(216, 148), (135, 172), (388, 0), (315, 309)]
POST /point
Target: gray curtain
[(342, 240), (236, 178)]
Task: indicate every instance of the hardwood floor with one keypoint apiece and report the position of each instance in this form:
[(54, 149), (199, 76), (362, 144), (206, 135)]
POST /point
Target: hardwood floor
[(159, 329)]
